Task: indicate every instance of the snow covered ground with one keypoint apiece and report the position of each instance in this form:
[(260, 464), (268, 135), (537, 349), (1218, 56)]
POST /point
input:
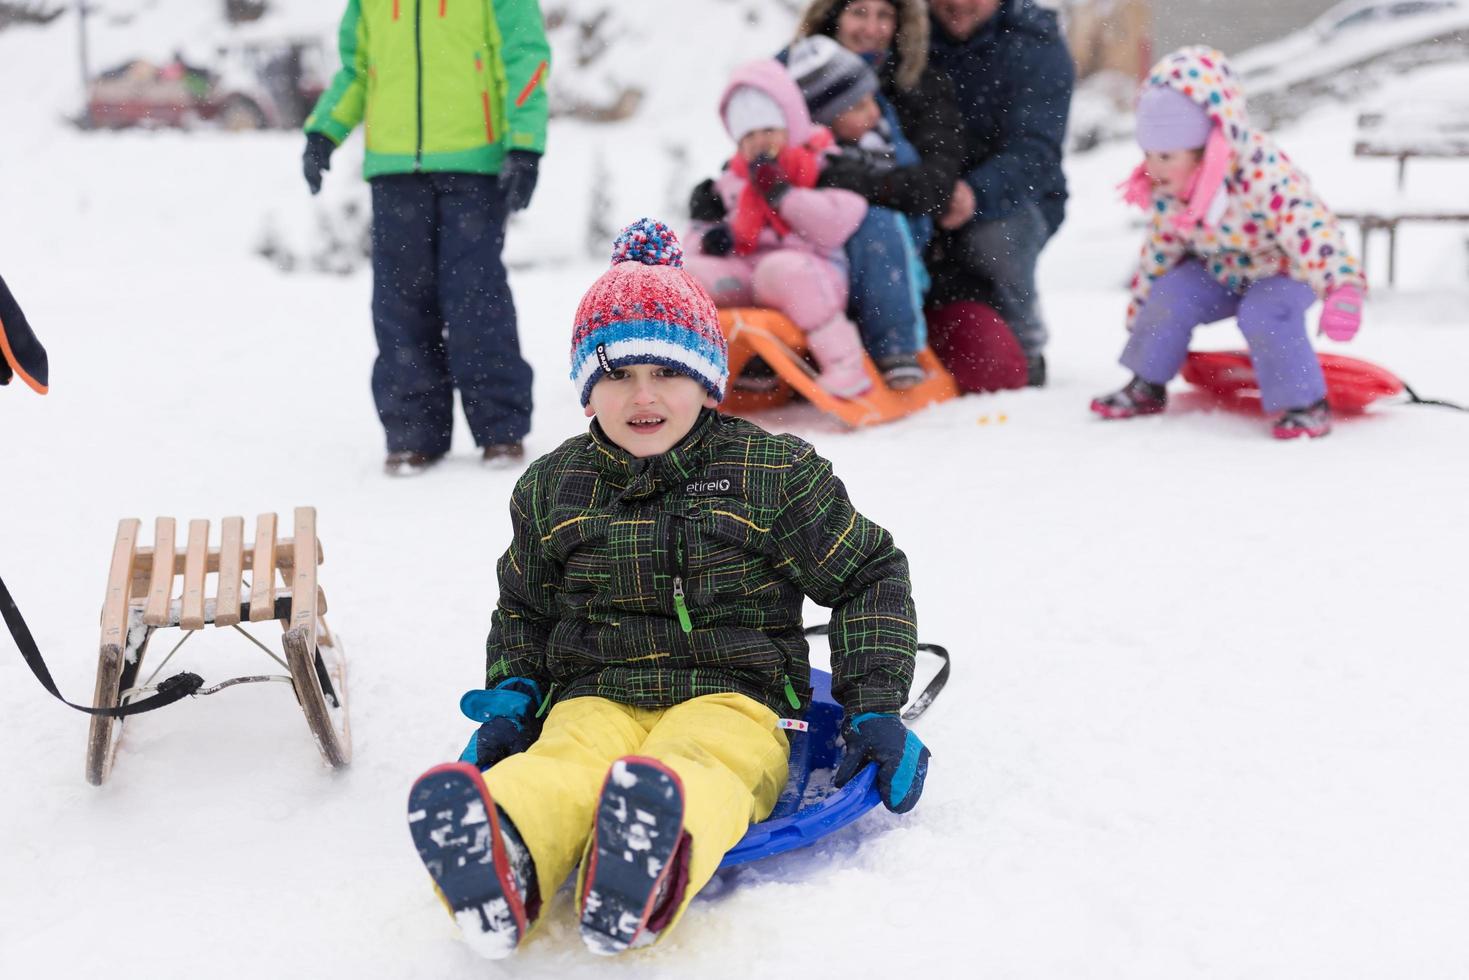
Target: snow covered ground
[(1207, 716)]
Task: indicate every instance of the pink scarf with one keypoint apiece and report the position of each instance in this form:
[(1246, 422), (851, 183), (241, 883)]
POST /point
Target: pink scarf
[(1206, 196)]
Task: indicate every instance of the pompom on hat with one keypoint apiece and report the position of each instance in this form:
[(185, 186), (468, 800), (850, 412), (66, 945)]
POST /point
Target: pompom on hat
[(647, 309)]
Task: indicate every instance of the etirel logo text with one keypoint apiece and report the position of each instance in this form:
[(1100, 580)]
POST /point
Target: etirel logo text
[(707, 486)]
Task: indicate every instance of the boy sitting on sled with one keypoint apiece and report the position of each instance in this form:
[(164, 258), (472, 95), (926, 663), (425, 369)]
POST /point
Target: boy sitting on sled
[(648, 636)]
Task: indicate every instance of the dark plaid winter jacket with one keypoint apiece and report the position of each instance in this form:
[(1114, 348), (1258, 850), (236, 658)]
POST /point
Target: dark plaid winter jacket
[(653, 581)]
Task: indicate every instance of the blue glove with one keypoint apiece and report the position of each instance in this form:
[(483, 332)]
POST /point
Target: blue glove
[(518, 177), (508, 722), (902, 760)]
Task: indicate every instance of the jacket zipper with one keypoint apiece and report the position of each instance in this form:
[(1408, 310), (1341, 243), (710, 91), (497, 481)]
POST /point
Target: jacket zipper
[(546, 701), (418, 79), (676, 554)]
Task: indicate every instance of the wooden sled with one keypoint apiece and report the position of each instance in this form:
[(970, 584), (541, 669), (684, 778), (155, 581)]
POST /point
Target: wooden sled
[(781, 343), (141, 600)]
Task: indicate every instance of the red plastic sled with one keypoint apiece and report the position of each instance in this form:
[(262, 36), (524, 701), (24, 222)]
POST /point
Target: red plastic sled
[(1351, 384)]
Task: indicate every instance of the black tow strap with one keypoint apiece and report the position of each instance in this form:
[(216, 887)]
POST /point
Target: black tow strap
[(1414, 399), (931, 689), (173, 689)]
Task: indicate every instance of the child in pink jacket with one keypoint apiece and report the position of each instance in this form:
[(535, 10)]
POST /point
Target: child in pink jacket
[(1236, 231), (780, 243)]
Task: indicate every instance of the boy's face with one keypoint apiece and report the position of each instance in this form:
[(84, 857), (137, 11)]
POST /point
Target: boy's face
[(1172, 170), (867, 26), (762, 143), (856, 122), (647, 409)]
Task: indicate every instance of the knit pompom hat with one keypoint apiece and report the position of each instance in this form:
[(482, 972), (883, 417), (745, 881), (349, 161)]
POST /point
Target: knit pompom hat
[(647, 310), (832, 79)]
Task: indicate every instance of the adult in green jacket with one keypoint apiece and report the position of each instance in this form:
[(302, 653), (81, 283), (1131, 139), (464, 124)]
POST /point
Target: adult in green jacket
[(452, 95)]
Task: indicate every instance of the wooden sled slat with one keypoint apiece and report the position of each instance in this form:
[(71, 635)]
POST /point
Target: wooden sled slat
[(119, 581), (191, 614), (262, 569), (160, 582), (777, 340), (231, 569)]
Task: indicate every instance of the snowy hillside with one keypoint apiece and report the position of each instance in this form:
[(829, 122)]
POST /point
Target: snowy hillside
[(1207, 715)]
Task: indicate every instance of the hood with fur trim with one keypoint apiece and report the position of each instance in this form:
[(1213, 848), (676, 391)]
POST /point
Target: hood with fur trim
[(770, 76), (910, 43)]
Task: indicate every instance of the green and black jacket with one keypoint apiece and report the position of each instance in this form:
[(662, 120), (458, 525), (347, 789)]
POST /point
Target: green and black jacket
[(653, 581), (442, 85)]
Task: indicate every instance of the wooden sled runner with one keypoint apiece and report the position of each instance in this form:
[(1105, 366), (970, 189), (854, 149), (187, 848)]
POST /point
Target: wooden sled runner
[(781, 343), (141, 599)]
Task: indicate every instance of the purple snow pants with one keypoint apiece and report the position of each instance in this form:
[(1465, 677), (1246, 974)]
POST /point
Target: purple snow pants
[(1271, 315)]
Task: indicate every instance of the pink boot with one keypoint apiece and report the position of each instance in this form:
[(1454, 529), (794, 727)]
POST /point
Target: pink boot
[(838, 352)]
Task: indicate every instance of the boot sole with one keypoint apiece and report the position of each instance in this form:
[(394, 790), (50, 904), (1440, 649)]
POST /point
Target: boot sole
[(639, 822), (1301, 433), (1116, 414), (456, 830)]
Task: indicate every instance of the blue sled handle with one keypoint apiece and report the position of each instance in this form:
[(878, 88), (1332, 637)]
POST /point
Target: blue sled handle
[(804, 827)]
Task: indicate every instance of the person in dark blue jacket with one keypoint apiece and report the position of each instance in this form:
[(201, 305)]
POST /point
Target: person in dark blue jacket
[(1012, 76)]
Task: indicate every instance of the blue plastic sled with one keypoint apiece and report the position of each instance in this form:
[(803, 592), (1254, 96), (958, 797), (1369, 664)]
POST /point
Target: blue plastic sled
[(810, 807)]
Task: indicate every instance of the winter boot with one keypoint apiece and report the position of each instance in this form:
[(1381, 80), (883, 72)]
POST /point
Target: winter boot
[(407, 463), (1137, 397), (901, 371), (838, 351), (638, 859), (1035, 370), (503, 455), (483, 870), (1313, 421), (758, 377)]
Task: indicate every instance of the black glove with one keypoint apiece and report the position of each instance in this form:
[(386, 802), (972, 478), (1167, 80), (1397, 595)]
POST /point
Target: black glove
[(518, 177), (507, 714), (902, 760), (705, 203), (847, 172), (318, 157), (718, 240), (770, 179)]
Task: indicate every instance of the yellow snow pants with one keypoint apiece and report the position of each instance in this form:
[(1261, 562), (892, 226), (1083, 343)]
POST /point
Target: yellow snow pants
[(727, 749)]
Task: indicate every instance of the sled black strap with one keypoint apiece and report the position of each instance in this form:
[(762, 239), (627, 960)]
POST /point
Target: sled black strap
[(174, 688), (930, 691), (1414, 399)]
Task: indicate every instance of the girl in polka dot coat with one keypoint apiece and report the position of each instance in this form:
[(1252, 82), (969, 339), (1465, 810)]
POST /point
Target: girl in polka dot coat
[(1235, 231)]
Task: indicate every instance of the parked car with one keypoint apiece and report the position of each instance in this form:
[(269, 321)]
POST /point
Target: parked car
[(255, 85)]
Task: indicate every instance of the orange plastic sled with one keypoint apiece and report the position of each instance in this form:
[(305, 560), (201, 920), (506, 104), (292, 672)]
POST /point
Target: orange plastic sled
[(1351, 384), (772, 336)]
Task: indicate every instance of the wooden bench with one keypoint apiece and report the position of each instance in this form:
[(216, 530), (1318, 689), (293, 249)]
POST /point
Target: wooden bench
[(146, 593), (1421, 132)]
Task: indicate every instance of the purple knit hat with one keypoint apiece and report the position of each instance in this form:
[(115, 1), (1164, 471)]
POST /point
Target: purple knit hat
[(1169, 120), (647, 309)]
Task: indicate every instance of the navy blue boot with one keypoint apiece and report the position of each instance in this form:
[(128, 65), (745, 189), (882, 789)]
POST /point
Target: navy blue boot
[(637, 864), (483, 870)]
